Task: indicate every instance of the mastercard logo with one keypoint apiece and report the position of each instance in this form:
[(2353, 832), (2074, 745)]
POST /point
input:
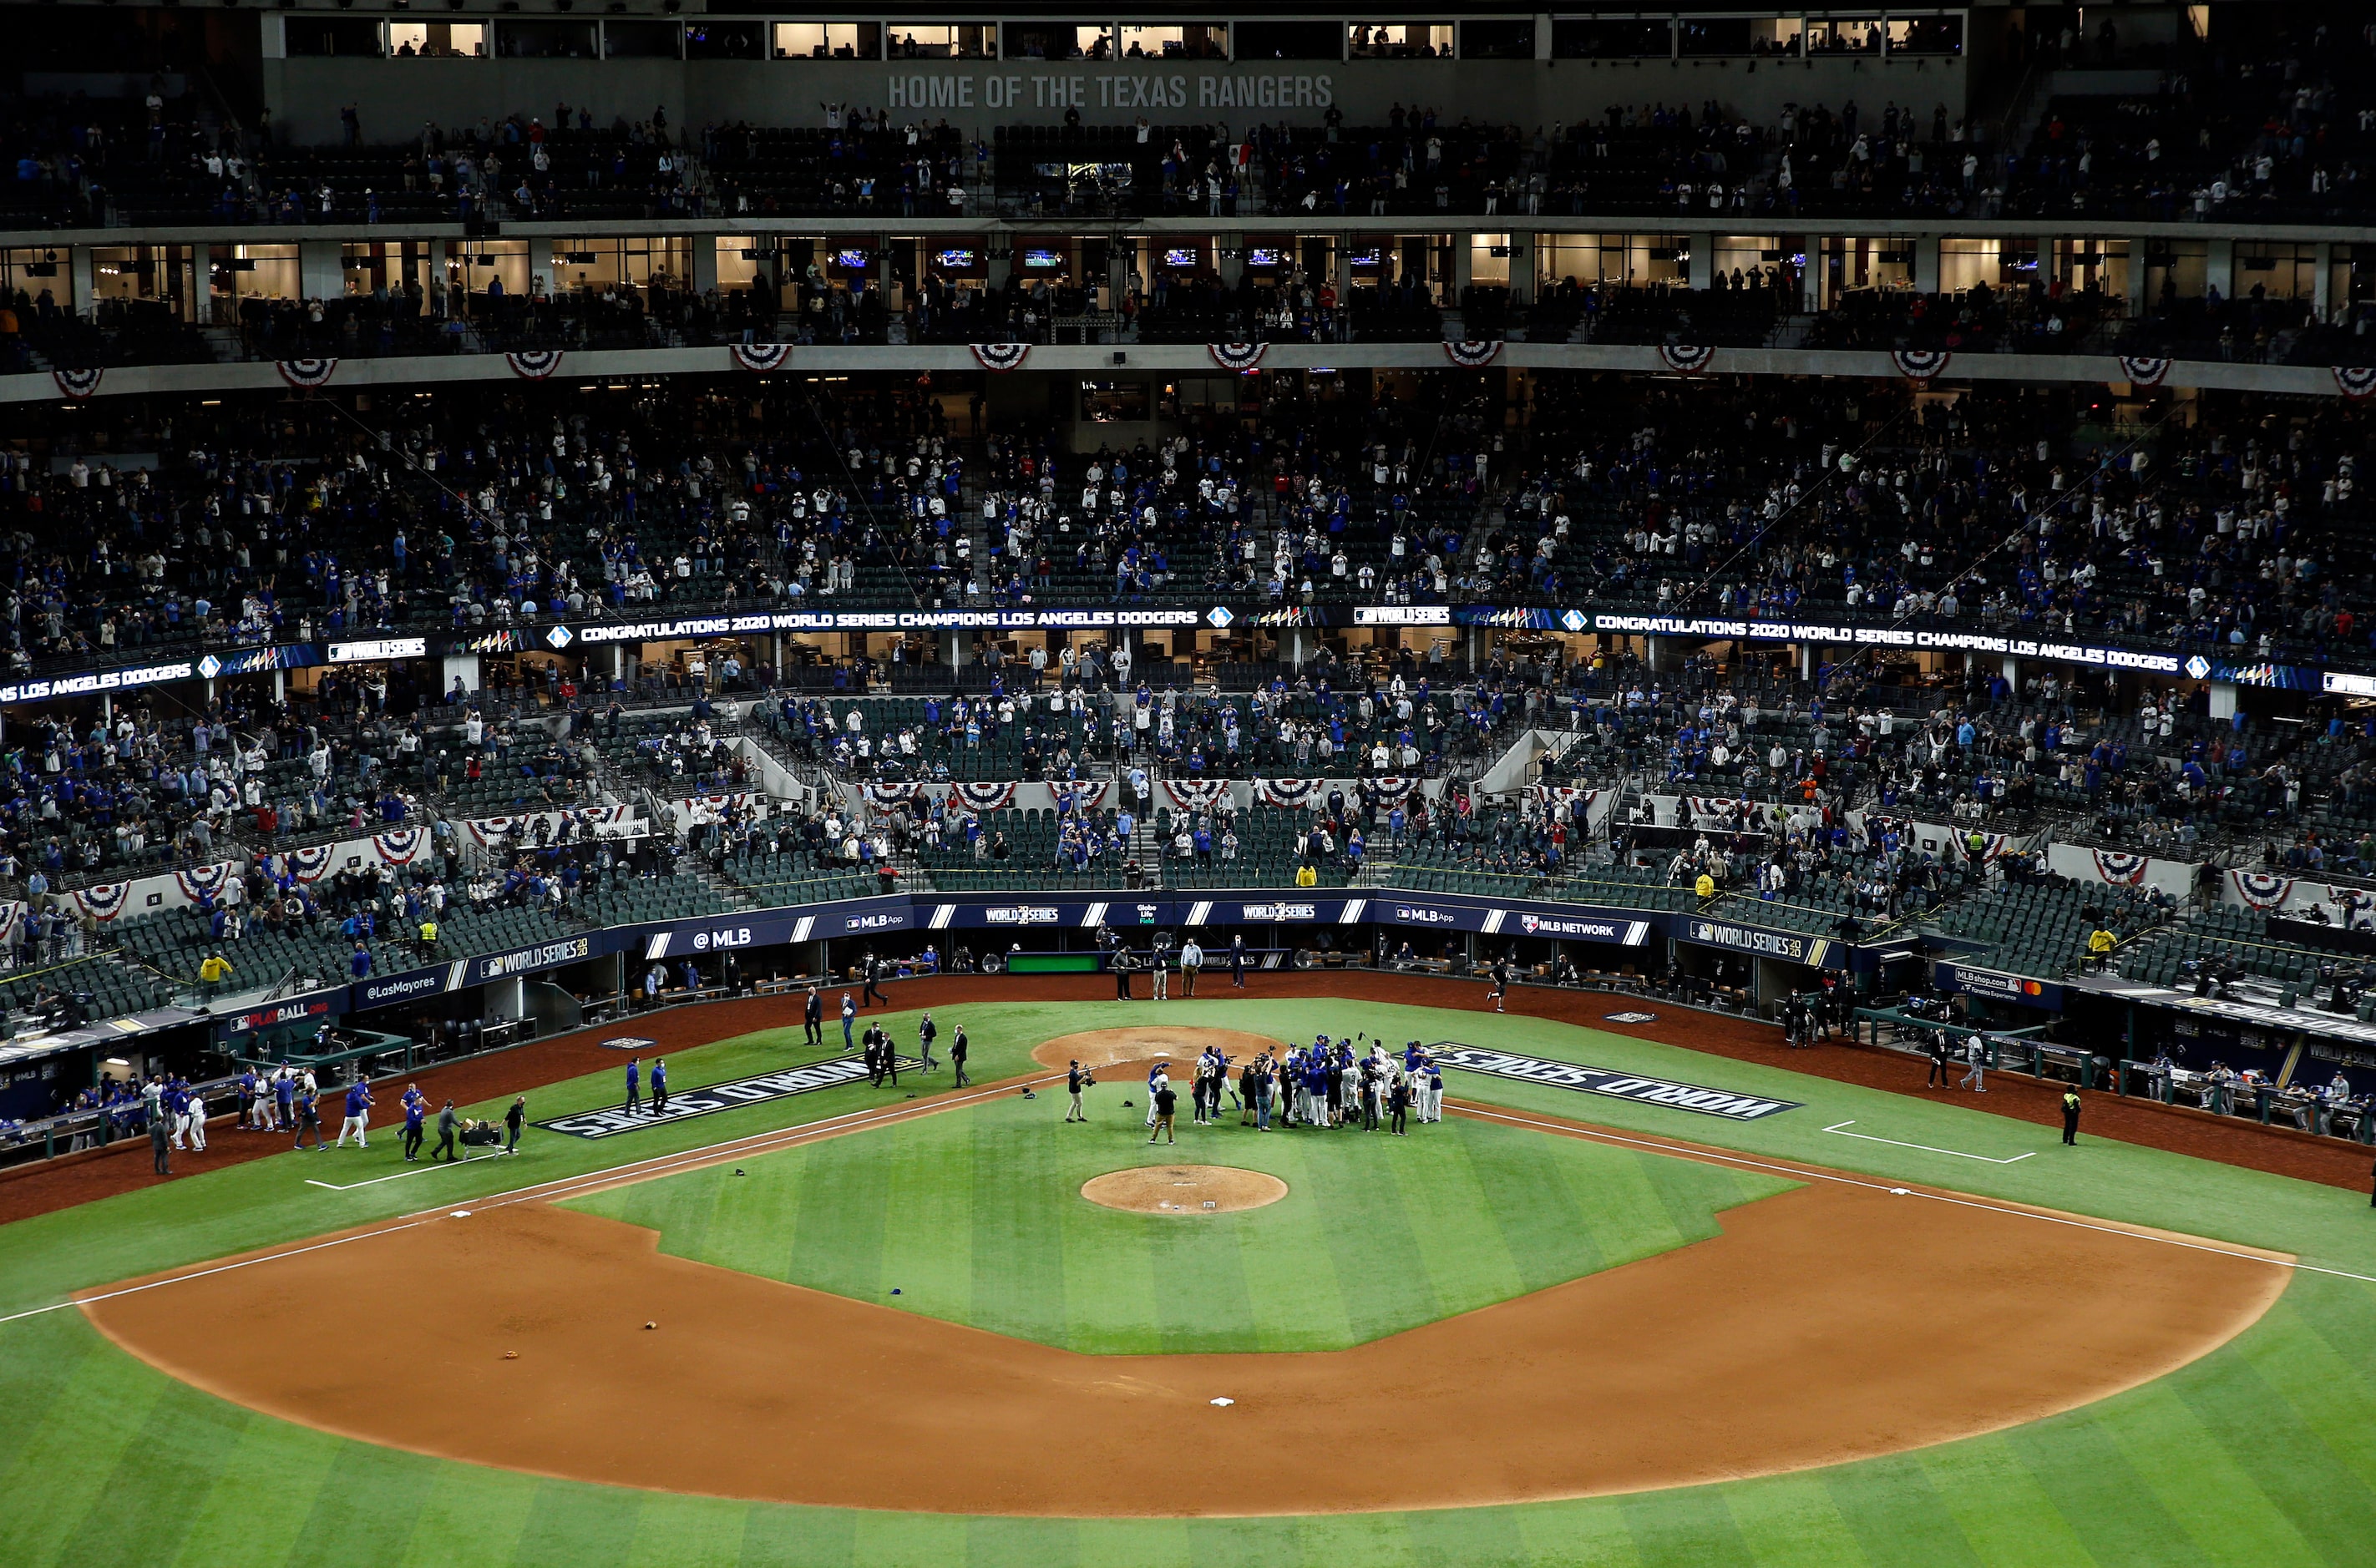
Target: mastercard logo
[(2032, 987)]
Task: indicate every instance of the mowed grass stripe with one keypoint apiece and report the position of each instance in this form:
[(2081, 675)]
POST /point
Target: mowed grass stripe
[(1990, 1493), (2107, 1504), (177, 1452), (1299, 1300), (2202, 1486), (1910, 1524), (57, 1486), (473, 1517), (575, 1526), (1686, 1529), (2331, 1394), (246, 1516), (368, 1500), (2293, 1468), (1794, 1522), (682, 1532)]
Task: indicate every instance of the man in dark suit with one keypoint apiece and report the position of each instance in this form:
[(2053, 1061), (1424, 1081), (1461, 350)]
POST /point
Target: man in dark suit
[(813, 1019)]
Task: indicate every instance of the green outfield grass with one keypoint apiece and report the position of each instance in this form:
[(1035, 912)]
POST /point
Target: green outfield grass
[(2262, 1453), (976, 1217)]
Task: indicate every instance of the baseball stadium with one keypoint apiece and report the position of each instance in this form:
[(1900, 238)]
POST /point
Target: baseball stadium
[(1110, 788)]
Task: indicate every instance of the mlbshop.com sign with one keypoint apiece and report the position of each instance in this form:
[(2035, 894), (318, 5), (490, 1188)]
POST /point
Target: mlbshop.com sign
[(1697, 1098)]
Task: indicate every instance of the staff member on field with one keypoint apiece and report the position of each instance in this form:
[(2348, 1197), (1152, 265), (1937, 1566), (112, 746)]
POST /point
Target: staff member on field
[(813, 1018), (359, 1102), (2071, 1116)]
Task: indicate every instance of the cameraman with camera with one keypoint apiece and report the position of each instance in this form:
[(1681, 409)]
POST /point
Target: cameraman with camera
[(1075, 1081)]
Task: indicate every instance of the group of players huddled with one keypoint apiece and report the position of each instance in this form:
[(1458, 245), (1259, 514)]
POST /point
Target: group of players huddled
[(1341, 1083)]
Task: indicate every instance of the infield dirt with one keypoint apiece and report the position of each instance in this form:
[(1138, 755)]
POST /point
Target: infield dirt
[(1832, 1322)]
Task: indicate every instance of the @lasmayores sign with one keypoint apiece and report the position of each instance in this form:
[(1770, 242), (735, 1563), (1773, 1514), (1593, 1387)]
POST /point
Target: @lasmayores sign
[(1697, 1098)]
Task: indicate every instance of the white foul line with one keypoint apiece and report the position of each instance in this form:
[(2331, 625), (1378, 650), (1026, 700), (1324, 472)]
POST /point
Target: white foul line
[(218, 1268), (400, 1175), (1842, 1129), (1685, 1151), (558, 1187)]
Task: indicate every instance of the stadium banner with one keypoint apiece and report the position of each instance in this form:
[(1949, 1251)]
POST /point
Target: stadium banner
[(1021, 911), (1698, 1098), (1997, 986), (685, 1104), (319, 1005), (74, 385), (1789, 946), (534, 365), (1686, 359), (1238, 358)]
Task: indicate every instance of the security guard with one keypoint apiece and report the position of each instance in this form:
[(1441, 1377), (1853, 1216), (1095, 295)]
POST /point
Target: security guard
[(2071, 1116)]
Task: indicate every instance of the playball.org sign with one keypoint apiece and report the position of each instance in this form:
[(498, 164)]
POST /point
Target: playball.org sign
[(1120, 89)]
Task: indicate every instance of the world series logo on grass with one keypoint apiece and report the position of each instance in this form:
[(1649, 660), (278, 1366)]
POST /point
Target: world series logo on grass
[(614, 1119), (1696, 1097)]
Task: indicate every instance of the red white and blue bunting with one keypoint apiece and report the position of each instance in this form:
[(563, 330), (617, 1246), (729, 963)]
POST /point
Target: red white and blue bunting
[(1392, 790), (886, 797), (309, 864), (999, 356), (2120, 868), (1720, 812), (1081, 795), (103, 900), (77, 385), (981, 796), (2355, 899), (196, 881), (2263, 890), (712, 808), (489, 830), (2356, 382), (1686, 359), (1920, 364), (534, 365), (761, 356), (1473, 353), (1197, 794), (307, 374), (1290, 793), (11, 913), (401, 845), (2143, 370), (1237, 358)]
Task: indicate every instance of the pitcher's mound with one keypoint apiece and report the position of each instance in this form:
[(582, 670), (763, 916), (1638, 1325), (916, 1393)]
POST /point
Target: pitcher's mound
[(1183, 1189), (1110, 1048)]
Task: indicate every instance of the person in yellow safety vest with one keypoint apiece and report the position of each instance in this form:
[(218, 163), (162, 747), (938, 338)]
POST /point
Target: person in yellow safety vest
[(213, 970), (2100, 942), (1705, 886), (1306, 875), (428, 933)]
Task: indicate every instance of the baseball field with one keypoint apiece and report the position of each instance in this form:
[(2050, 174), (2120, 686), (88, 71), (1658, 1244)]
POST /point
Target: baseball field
[(1627, 1303)]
